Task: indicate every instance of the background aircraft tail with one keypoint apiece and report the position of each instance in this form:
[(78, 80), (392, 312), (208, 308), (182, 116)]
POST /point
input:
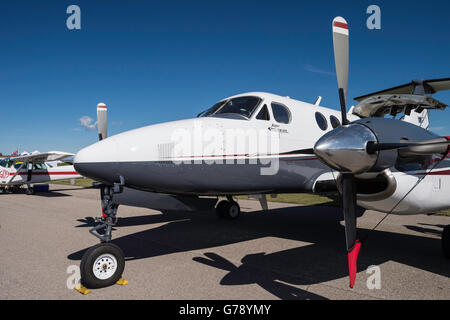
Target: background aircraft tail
[(419, 119)]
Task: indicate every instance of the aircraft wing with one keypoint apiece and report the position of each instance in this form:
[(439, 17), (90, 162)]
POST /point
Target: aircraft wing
[(42, 157), (431, 86)]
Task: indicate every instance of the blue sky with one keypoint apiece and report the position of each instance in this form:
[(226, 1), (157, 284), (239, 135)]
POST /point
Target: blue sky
[(155, 61)]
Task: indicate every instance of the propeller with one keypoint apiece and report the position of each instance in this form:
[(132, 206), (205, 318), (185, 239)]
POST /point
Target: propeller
[(102, 121), (355, 148), (425, 147), (102, 128), (341, 58)]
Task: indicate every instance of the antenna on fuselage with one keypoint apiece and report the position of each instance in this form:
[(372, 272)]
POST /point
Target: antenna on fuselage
[(318, 100)]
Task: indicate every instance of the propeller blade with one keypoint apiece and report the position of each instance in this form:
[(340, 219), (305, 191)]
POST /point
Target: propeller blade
[(341, 59), (426, 147), (349, 204), (304, 151), (102, 121)]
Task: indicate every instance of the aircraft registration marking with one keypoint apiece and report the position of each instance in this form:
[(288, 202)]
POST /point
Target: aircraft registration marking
[(4, 174)]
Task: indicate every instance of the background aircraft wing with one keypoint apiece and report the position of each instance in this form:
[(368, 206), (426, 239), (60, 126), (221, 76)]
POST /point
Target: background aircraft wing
[(430, 86), (43, 157)]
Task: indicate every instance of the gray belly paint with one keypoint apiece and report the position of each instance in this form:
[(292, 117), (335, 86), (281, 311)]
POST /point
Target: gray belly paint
[(294, 175)]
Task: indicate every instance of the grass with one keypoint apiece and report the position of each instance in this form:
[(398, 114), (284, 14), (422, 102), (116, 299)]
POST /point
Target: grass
[(309, 199), (444, 213), (82, 182), (306, 199)]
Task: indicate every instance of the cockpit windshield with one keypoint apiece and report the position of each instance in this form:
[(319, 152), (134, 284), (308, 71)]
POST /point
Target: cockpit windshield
[(243, 106), (211, 110), (6, 163)]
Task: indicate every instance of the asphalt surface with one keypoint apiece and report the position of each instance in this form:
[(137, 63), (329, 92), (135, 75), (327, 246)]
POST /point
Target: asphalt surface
[(290, 252)]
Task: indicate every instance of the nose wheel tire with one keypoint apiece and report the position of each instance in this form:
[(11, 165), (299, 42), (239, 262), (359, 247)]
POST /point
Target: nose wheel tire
[(446, 241), (228, 210), (102, 265)]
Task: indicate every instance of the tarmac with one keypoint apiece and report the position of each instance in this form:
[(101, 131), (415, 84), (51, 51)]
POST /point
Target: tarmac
[(288, 252)]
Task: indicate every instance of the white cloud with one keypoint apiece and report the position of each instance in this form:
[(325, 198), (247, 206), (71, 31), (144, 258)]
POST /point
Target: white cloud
[(88, 123), (439, 130), (313, 69)]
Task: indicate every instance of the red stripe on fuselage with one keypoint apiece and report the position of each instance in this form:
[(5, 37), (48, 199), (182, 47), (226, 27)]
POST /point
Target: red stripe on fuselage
[(434, 173), (301, 159), (43, 173), (245, 155)]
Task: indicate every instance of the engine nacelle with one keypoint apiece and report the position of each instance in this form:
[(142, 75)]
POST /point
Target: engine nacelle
[(414, 194), (346, 148), (396, 180)]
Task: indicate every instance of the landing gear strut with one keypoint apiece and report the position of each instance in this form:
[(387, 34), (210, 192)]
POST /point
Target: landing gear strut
[(228, 209), (30, 190), (103, 264), (446, 241)]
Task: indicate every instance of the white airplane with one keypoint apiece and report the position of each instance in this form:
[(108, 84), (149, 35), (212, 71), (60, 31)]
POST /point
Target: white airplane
[(259, 143), (33, 168)]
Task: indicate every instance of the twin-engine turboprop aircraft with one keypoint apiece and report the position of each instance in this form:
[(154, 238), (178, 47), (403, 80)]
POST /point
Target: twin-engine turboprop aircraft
[(259, 143), (30, 169)]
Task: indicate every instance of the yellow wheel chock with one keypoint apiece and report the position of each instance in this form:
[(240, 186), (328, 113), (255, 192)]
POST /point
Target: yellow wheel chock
[(84, 291), (122, 282)]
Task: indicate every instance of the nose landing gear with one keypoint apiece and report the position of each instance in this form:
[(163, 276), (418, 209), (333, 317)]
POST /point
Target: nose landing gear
[(103, 264)]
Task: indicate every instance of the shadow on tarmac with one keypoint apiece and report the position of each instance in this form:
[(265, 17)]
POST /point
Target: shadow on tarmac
[(322, 258)]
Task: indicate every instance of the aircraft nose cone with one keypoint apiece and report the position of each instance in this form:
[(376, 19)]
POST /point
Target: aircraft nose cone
[(344, 149), (98, 161)]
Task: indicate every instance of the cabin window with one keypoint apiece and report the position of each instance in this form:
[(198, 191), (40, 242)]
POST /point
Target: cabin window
[(17, 165), (281, 113), (321, 121), (40, 166), (334, 122), (263, 114)]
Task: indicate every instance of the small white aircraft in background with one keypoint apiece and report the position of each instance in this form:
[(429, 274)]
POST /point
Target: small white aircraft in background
[(16, 171), (389, 165)]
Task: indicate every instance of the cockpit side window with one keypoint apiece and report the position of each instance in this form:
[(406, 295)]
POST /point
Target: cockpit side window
[(263, 114), (281, 113)]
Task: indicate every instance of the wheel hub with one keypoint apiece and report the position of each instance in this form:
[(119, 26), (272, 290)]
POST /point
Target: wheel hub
[(233, 211), (104, 266)]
